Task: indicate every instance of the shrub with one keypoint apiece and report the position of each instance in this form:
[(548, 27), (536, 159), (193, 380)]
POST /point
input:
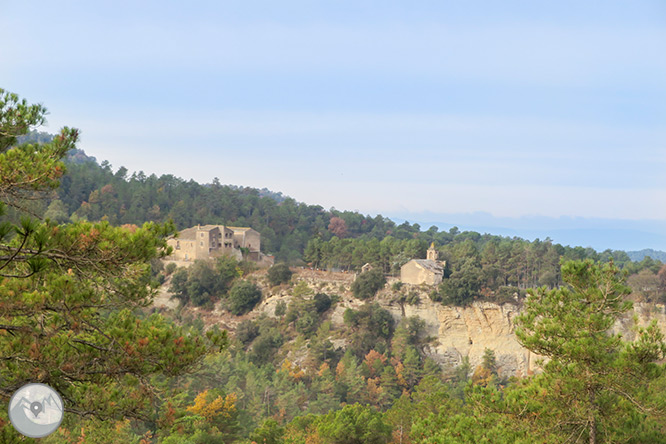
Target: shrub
[(368, 284), (506, 294), (170, 268), (279, 274), (247, 331), (280, 308), (371, 327), (160, 279), (228, 269), (306, 324), (302, 289), (156, 267), (203, 283), (462, 287), (265, 346), (179, 286), (322, 302), (413, 298), (292, 314), (243, 297)]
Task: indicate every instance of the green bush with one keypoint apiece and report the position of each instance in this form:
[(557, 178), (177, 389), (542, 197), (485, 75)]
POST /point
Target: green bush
[(243, 297), (280, 308), (292, 313), (160, 278), (247, 331), (156, 267), (368, 284), (266, 346), (279, 274), (371, 327), (179, 286), (307, 324), (322, 302), (204, 282), (170, 268), (413, 298)]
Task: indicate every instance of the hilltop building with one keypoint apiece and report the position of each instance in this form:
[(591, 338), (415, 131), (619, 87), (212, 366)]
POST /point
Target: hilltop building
[(211, 241), (429, 271)]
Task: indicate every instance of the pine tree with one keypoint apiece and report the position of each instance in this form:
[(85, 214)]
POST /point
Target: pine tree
[(412, 363), (596, 387), (71, 295)]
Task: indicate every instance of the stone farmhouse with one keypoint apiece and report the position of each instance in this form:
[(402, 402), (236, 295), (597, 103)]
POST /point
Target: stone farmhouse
[(211, 241), (429, 271)]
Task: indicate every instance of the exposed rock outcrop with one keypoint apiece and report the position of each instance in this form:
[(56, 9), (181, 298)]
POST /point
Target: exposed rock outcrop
[(458, 331), (468, 331)]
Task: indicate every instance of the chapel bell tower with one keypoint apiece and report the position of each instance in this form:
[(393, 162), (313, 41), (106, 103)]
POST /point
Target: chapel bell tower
[(432, 254)]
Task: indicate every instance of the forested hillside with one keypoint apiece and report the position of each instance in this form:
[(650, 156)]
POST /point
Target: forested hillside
[(478, 265), (94, 192), (325, 363), (290, 230)]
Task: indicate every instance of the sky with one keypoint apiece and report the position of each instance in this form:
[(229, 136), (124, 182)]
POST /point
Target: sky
[(544, 118)]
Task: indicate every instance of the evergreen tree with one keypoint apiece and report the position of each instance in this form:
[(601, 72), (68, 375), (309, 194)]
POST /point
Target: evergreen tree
[(243, 297), (389, 385), (354, 424), (596, 387), (367, 284), (412, 371), (279, 274), (70, 295)]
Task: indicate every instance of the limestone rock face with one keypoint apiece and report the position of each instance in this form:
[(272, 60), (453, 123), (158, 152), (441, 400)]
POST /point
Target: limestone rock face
[(459, 332), (468, 331)]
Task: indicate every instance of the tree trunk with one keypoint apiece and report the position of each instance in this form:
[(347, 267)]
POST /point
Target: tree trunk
[(591, 419), (593, 429)]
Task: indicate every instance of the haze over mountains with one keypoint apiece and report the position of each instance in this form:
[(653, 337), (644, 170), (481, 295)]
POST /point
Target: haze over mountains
[(600, 234)]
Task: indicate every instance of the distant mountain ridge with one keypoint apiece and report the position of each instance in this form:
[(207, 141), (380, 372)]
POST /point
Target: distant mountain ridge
[(598, 233), (638, 256)]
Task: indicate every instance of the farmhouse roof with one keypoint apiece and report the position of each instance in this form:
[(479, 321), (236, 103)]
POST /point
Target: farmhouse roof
[(429, 265), (191, 233), (240, 228)]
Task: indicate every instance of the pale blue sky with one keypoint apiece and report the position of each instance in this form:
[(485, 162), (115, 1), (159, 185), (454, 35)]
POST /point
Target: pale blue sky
[(412, 109)]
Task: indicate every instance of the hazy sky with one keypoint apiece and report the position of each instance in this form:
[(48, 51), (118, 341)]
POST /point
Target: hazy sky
[(514, 108)]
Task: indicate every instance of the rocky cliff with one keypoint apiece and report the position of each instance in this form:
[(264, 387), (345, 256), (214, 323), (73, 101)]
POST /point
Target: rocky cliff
[(458, 331), (468, 331)]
